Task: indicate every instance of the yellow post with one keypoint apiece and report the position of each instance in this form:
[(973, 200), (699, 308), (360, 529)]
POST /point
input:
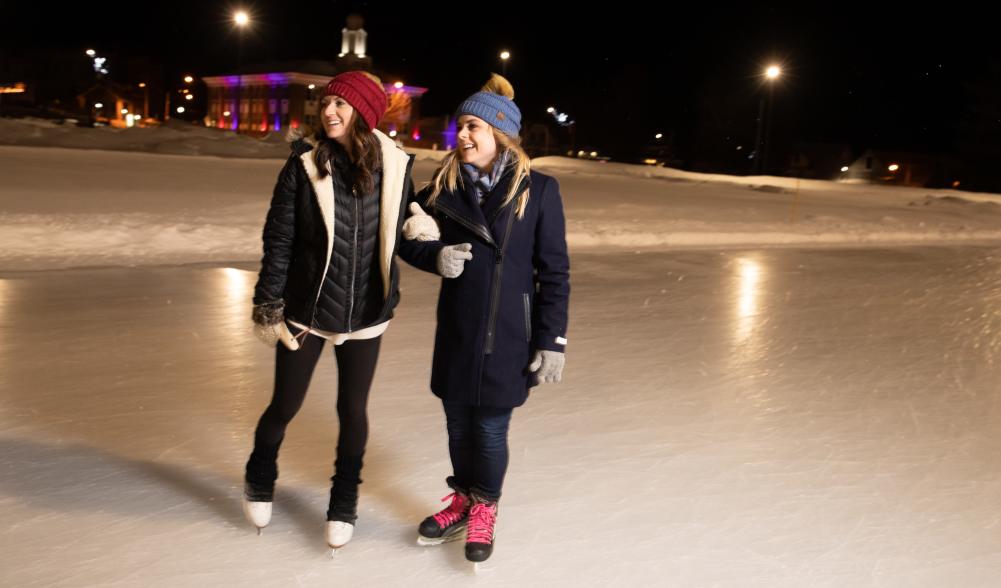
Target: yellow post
[(795, 204)]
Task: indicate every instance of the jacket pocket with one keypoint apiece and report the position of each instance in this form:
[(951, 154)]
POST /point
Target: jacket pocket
[(528, 318)]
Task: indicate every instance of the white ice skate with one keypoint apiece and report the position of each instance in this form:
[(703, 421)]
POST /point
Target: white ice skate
[(338, 534), (258, 513)]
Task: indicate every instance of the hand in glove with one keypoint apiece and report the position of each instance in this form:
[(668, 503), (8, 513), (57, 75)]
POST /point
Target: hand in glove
[(270, 327), (420, 225), (452, 259), (547, 366)]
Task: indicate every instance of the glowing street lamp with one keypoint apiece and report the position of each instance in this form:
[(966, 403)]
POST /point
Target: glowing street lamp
[(772, 73), (242, 20), (505, 55), (563, 119)]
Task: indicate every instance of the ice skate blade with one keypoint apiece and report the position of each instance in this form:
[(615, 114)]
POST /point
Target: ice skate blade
[(430, 541)]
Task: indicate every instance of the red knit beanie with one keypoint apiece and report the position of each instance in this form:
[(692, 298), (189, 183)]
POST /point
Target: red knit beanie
[(362, 93)]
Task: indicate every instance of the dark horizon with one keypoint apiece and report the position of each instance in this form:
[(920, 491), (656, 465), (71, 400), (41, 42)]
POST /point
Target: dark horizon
[(872, 80)]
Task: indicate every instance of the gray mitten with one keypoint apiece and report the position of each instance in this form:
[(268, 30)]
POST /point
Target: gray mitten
[(452, 259), (548, 366), (420, 225)]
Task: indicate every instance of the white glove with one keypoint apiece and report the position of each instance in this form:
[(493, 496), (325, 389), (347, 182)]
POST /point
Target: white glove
[(548, 366), (420, 225), (270, 327), (452, 259)]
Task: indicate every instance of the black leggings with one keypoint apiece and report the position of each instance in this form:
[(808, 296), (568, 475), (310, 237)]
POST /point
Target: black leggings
[(293, 369)]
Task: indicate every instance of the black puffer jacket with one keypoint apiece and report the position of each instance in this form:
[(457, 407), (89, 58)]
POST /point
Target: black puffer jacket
[(300, 236), (351, 296)]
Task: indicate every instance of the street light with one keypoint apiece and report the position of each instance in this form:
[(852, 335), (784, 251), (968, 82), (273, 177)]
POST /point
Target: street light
[(771, 73), (242, 20), (505, 55), (563, 119)]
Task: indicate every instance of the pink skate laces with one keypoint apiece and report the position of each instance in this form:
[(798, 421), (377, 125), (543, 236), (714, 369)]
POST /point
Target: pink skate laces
[(480, 528), (453, 512)]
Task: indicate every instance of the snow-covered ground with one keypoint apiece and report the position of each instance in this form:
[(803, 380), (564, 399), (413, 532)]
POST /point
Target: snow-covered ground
[(130, 200)]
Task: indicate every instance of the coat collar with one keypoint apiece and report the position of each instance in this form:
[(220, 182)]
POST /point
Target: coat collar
[(481, 220)]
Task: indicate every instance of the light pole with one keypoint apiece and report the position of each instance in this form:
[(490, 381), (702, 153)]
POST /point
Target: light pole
[(145, 99), (505, 55), (563, 119), (761, 147), (241, 19)]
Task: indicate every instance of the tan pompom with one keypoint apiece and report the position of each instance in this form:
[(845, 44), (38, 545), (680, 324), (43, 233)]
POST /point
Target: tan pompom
[(499, 85)]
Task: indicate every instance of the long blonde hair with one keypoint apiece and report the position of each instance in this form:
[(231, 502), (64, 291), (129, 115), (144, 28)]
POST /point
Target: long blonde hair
[(449, 175)]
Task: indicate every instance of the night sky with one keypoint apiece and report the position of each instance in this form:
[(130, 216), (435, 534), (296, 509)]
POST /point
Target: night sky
[(893, 78)]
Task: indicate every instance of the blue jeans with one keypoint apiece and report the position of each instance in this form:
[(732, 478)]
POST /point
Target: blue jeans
[(477, 444)]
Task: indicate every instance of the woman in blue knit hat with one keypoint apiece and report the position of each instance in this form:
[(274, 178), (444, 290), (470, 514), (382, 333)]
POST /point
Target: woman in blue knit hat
[(496, 232)]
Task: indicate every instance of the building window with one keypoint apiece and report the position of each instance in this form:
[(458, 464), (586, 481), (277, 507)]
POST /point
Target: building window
[(272, 105), (284, 105)]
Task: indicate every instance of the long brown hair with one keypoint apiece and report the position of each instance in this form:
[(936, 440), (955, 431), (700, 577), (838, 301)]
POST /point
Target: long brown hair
[(361, 147), (449, 175)]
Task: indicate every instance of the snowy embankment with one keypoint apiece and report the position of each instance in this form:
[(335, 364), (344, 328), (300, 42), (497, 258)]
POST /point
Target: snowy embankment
[(73, 197)]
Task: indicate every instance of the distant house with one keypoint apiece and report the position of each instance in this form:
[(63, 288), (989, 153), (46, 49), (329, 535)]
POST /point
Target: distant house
[(277, 96), (901, 168), (113, 104), (821, 161)]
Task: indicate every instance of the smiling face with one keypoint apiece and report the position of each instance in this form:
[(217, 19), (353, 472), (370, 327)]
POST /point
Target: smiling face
[(336, 115), (476, 142)]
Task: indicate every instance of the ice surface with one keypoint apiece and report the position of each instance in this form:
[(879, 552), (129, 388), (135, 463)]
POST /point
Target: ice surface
[(740, 418)]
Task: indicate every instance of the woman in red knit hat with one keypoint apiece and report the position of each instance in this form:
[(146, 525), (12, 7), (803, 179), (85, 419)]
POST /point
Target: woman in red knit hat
[(328, 274)]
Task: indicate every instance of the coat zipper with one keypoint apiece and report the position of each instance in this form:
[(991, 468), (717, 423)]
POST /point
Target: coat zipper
[(528, 318), (354, 262), (488, 347)]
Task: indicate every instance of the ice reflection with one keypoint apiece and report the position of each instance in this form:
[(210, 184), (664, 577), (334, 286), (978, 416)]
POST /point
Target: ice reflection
[(750, 274)]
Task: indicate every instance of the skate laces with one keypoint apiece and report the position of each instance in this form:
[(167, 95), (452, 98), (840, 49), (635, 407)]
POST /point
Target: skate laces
[(482, 518), (453, 512)]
